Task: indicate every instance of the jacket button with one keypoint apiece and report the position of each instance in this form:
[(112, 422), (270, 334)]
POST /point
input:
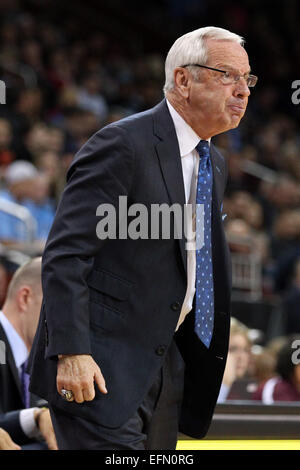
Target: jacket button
[(160, 350), (175, 306)]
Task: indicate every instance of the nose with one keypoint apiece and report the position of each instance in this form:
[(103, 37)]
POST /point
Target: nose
[(241, 89)]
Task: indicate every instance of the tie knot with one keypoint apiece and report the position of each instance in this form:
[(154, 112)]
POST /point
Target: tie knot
[(203, 148)]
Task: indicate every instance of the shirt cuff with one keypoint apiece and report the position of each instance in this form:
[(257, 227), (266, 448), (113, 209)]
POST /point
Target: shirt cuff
[(28, 424), (224, 391)]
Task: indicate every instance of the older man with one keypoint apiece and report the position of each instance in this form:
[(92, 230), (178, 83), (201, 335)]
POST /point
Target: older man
[(133, 334)]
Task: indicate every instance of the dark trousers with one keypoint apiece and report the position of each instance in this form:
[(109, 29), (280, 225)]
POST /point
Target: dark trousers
[(154, 425), (35, 446)]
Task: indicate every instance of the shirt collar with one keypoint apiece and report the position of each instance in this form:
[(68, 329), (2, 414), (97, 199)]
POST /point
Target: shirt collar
[(18, 347), (187, 137)]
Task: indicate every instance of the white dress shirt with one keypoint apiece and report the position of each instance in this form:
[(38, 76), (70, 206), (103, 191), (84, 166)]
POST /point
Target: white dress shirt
[(20, 355), (187, 140)]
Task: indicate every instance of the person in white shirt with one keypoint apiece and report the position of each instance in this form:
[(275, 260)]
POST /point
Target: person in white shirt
[(18, 323)]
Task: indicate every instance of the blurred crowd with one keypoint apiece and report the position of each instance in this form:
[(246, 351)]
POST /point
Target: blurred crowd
[(268, 374)]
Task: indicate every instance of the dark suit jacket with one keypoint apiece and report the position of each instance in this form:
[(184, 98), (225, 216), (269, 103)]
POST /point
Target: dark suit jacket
[(10, 385), (11, 423), (120, 299), (11, 402)]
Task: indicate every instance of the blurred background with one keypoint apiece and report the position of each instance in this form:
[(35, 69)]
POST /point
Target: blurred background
[(73, 67)]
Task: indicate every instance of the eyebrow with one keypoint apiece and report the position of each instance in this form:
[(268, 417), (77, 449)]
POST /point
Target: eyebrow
[(230, 68)]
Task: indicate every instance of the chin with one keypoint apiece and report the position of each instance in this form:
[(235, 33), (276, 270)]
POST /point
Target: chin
[(231, 123), (229, 126), (235, 121), (235, 125)]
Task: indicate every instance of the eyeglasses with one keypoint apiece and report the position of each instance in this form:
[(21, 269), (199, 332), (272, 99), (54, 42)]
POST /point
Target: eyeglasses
[(229, 77)]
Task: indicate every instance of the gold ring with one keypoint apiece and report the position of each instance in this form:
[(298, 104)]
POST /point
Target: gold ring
[(67, 394)]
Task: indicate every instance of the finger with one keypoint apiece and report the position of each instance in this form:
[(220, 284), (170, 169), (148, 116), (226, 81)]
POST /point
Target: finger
[(51, 441), (10, 444), (77, 392), (99, 379), (59, 385), (13, 446), (89, 393)]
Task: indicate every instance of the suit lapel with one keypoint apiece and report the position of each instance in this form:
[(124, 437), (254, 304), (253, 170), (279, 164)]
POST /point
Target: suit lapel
[(10, 361), (221, 259), (168, 154)]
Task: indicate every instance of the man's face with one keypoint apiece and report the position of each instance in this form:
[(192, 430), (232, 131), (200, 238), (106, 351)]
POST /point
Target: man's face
[(220, 107)]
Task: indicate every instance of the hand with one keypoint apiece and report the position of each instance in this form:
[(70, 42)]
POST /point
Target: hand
[(44, 423), (230, 370), (6, 442), (78, 373)]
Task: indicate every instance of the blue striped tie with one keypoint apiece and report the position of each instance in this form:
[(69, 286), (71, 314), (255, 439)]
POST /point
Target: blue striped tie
[(204, 305)]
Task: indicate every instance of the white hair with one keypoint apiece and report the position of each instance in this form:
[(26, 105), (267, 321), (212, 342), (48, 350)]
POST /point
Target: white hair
[(191, 49)]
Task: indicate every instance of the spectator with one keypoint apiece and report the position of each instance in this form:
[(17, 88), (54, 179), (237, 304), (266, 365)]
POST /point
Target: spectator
[(286, 247), (7, 155), (3, 280), (37, 140), (263, 365), (30, 105), (51, 166), (90, 98), (285, 386), (237, 385), (291, 303), (240, 236), (18, 323), (28, 188), (56, 140), (79, 125), (281, 195)]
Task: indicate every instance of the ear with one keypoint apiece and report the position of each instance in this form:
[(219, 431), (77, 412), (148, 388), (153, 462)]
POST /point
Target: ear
[(22, 297), (182, 81)]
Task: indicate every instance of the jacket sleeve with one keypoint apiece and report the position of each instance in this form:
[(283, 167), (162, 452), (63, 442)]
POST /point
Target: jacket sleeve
[(101, 172), (11, 423)]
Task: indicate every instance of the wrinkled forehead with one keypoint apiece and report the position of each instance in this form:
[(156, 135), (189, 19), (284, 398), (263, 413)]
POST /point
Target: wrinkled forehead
[(227, 53)]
